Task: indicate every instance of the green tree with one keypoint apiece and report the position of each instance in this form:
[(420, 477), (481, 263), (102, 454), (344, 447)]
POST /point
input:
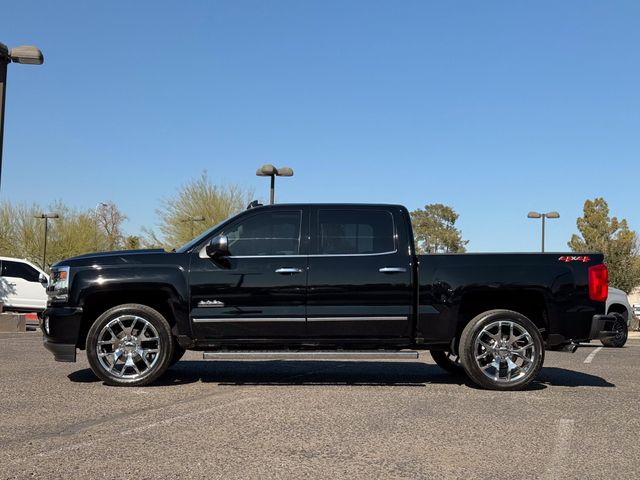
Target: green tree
[(109, 220), (132, 242), (435, 231), (612, 237), (197, 198), (75, 232)]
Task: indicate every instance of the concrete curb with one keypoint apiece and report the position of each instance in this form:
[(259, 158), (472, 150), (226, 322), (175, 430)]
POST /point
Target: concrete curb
[(12, 322), (634, 335)]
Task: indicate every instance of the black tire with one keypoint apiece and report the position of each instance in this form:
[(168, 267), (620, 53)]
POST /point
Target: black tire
[(447, 361), (485, 366), (178, 353), (622, 333), (157, 349)]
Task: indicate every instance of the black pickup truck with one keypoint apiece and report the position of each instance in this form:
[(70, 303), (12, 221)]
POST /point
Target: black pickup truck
[(323, 281)]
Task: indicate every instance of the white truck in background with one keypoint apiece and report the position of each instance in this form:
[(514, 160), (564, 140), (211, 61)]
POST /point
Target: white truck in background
[(22, 286), (618, 305)]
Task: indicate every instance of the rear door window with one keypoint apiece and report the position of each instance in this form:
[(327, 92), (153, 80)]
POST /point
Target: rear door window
[(355, 232)]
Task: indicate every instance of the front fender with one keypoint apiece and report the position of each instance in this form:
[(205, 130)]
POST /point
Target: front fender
[(130, 282)]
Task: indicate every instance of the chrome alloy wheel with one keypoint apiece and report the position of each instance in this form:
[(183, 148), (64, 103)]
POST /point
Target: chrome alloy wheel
[(128, 346), (505, 351)]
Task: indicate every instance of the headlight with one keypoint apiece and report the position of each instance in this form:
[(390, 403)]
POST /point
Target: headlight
[(58, 289)]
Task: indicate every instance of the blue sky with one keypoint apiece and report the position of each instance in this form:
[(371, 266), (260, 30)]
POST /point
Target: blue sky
[(495, 108)]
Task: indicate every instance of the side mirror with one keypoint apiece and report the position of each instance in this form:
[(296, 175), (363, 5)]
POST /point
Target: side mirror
[(42, 278), (218, 246)]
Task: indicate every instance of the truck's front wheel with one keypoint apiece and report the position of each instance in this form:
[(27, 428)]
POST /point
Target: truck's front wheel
[(501, 350), (129, 345)]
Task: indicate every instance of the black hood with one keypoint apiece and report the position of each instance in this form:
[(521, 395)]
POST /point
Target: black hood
[(97, 256)]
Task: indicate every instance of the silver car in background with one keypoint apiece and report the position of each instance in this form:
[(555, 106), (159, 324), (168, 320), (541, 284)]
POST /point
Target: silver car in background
[(618, 304)]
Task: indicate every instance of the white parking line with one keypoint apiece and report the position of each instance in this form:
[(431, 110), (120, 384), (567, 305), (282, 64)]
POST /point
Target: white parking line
[(589, 358)]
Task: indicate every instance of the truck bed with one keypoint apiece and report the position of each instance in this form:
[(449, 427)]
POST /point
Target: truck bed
[(550, 288)]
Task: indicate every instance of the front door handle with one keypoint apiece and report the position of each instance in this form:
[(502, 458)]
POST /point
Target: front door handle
[(288, 271), (392, 270)]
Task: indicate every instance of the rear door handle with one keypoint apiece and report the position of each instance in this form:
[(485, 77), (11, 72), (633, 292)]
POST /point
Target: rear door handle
[(288, 271), (392, 270)]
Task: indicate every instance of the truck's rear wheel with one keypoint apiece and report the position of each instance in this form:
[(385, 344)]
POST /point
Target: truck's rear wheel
[(622, 332), (448, 361), (501, 350), (129, 345)]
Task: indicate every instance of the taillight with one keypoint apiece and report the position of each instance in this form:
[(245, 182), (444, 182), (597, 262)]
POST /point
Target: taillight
[(598, 283)]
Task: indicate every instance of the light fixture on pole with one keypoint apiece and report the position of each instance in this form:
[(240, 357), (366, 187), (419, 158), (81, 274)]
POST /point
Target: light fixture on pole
[(198, 218), (269, 170), (46, 217), (25, 55), (543, 216)]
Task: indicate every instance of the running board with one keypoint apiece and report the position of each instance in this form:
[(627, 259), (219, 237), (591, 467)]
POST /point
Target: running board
[(313, 355)]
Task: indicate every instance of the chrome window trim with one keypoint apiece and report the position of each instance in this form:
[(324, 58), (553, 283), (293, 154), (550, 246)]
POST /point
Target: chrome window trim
[(316, 255), (266, 256), (353, 254)]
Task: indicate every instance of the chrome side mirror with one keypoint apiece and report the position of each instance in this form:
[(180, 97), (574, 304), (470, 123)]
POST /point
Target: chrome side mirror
[(42, 278), (218, 246)]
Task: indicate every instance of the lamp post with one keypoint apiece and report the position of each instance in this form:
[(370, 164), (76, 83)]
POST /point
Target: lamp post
[(46, 217), (26, 55), (543, 216), (269, 170), (198, 218)]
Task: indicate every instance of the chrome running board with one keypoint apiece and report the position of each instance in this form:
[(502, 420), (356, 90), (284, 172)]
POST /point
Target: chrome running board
[(313, 355)]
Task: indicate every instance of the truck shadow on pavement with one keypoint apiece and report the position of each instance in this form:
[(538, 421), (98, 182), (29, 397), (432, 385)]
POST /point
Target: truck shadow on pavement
[(335, 373)]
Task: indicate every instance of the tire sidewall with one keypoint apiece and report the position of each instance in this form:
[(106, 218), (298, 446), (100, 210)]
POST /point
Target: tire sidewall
[(165, 344), (442, 360), (471, 333), (618, 342), (178, 353)]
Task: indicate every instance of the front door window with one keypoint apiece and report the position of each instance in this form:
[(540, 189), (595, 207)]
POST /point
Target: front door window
[(266, 234)]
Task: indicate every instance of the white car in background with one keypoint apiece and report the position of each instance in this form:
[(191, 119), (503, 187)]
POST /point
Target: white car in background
[(618, 305), (22, 286)]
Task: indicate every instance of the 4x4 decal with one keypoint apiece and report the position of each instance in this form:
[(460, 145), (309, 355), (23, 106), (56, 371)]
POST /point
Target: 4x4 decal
[(571, 258)]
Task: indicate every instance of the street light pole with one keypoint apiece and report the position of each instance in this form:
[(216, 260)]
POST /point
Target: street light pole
[(4, 61), (46, 217), (269, 170), (272, 190), (543, 216), (26, 55), (198, 218)]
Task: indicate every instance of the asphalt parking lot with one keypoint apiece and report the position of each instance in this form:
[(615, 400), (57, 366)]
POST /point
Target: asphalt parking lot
[(209, 419)]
